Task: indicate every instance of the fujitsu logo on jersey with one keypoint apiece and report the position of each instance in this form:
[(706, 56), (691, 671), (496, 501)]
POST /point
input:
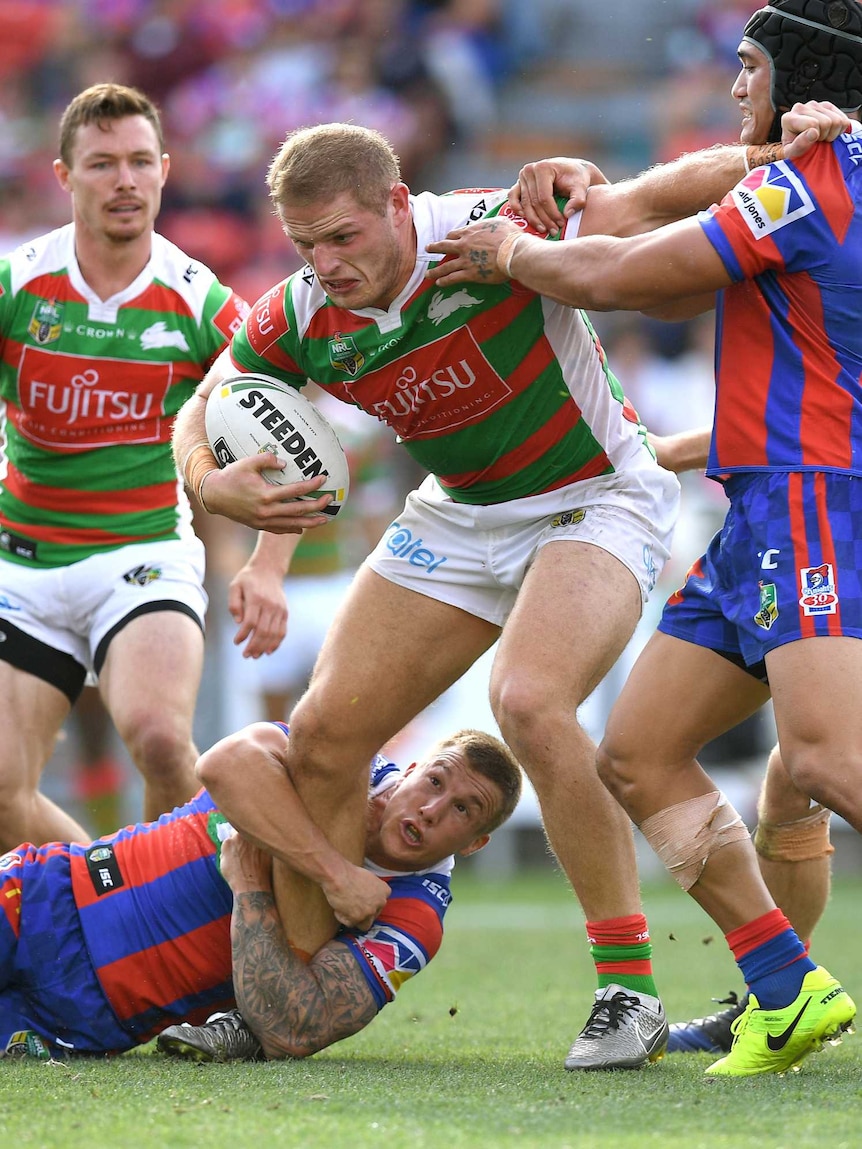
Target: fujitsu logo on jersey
[(413, 392), (447, 384), (228, 319), (508, 212), (81, 399), (267, 321)]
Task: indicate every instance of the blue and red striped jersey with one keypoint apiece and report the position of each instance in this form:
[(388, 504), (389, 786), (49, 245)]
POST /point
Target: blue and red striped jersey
[(789, 330), (155, 912)]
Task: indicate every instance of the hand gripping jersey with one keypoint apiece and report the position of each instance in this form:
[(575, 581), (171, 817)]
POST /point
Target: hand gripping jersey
[(789, 340), (102, 946), (90, 390), (496, 391)]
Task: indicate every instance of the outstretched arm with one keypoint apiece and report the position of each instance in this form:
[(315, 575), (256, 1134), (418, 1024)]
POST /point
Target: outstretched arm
[(683, 451), (600, 273), (666, 192), (293, 1008)]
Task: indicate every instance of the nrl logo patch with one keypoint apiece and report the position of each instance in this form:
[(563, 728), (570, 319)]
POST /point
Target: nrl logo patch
[(47, 321), (26, 1043), (567, 518), (142, 575), (768, 612), (344, 355)]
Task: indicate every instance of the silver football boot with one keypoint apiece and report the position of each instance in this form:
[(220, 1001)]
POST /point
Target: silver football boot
[(625, 1030)]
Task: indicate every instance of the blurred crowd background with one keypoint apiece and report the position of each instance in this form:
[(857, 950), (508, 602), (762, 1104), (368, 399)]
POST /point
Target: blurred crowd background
[(467, 91)]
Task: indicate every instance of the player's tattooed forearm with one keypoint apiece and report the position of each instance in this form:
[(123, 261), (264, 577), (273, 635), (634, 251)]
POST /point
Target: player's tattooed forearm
[(293, 1008)]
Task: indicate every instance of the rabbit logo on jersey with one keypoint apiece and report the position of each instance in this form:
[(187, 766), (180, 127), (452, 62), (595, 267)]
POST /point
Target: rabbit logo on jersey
[(770, 198), (819, 592)]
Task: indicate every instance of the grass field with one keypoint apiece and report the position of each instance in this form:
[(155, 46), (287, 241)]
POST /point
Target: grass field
[(471, 1056)]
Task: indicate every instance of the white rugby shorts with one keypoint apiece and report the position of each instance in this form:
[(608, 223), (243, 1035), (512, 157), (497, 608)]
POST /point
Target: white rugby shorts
[(476, 557), (72, 608)]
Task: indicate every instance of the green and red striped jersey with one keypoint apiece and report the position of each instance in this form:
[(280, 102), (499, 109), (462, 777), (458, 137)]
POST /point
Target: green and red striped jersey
[(497, 391), (90, 389)]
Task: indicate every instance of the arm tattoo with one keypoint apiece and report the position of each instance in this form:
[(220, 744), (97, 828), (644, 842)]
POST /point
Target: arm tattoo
[(294, 1009)]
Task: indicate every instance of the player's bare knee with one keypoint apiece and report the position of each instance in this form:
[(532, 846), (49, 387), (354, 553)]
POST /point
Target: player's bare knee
[(525, 708), (615, 767), (607, 770), (327, 753), (290, 1047), (161, 751), (17, 803), (780, 800), (822, 774)]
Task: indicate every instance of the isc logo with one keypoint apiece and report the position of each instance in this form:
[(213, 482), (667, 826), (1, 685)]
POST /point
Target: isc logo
[(437, 891)]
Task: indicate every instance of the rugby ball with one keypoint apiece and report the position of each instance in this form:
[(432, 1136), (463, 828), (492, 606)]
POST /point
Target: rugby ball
[(249, 414)]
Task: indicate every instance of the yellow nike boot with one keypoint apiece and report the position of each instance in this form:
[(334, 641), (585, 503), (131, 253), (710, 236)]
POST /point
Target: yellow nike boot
[(775, 1040)]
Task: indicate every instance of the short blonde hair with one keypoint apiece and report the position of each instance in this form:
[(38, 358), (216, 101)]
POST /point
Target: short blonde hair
[(327, 160), (487, 756)]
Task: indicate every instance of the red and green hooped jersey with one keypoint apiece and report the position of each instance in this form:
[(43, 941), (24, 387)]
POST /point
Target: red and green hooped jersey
[(498, 392), (90, 389)]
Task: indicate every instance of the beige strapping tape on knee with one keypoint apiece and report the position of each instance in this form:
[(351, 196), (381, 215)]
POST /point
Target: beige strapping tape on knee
[(684, 835), (802, 840)]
